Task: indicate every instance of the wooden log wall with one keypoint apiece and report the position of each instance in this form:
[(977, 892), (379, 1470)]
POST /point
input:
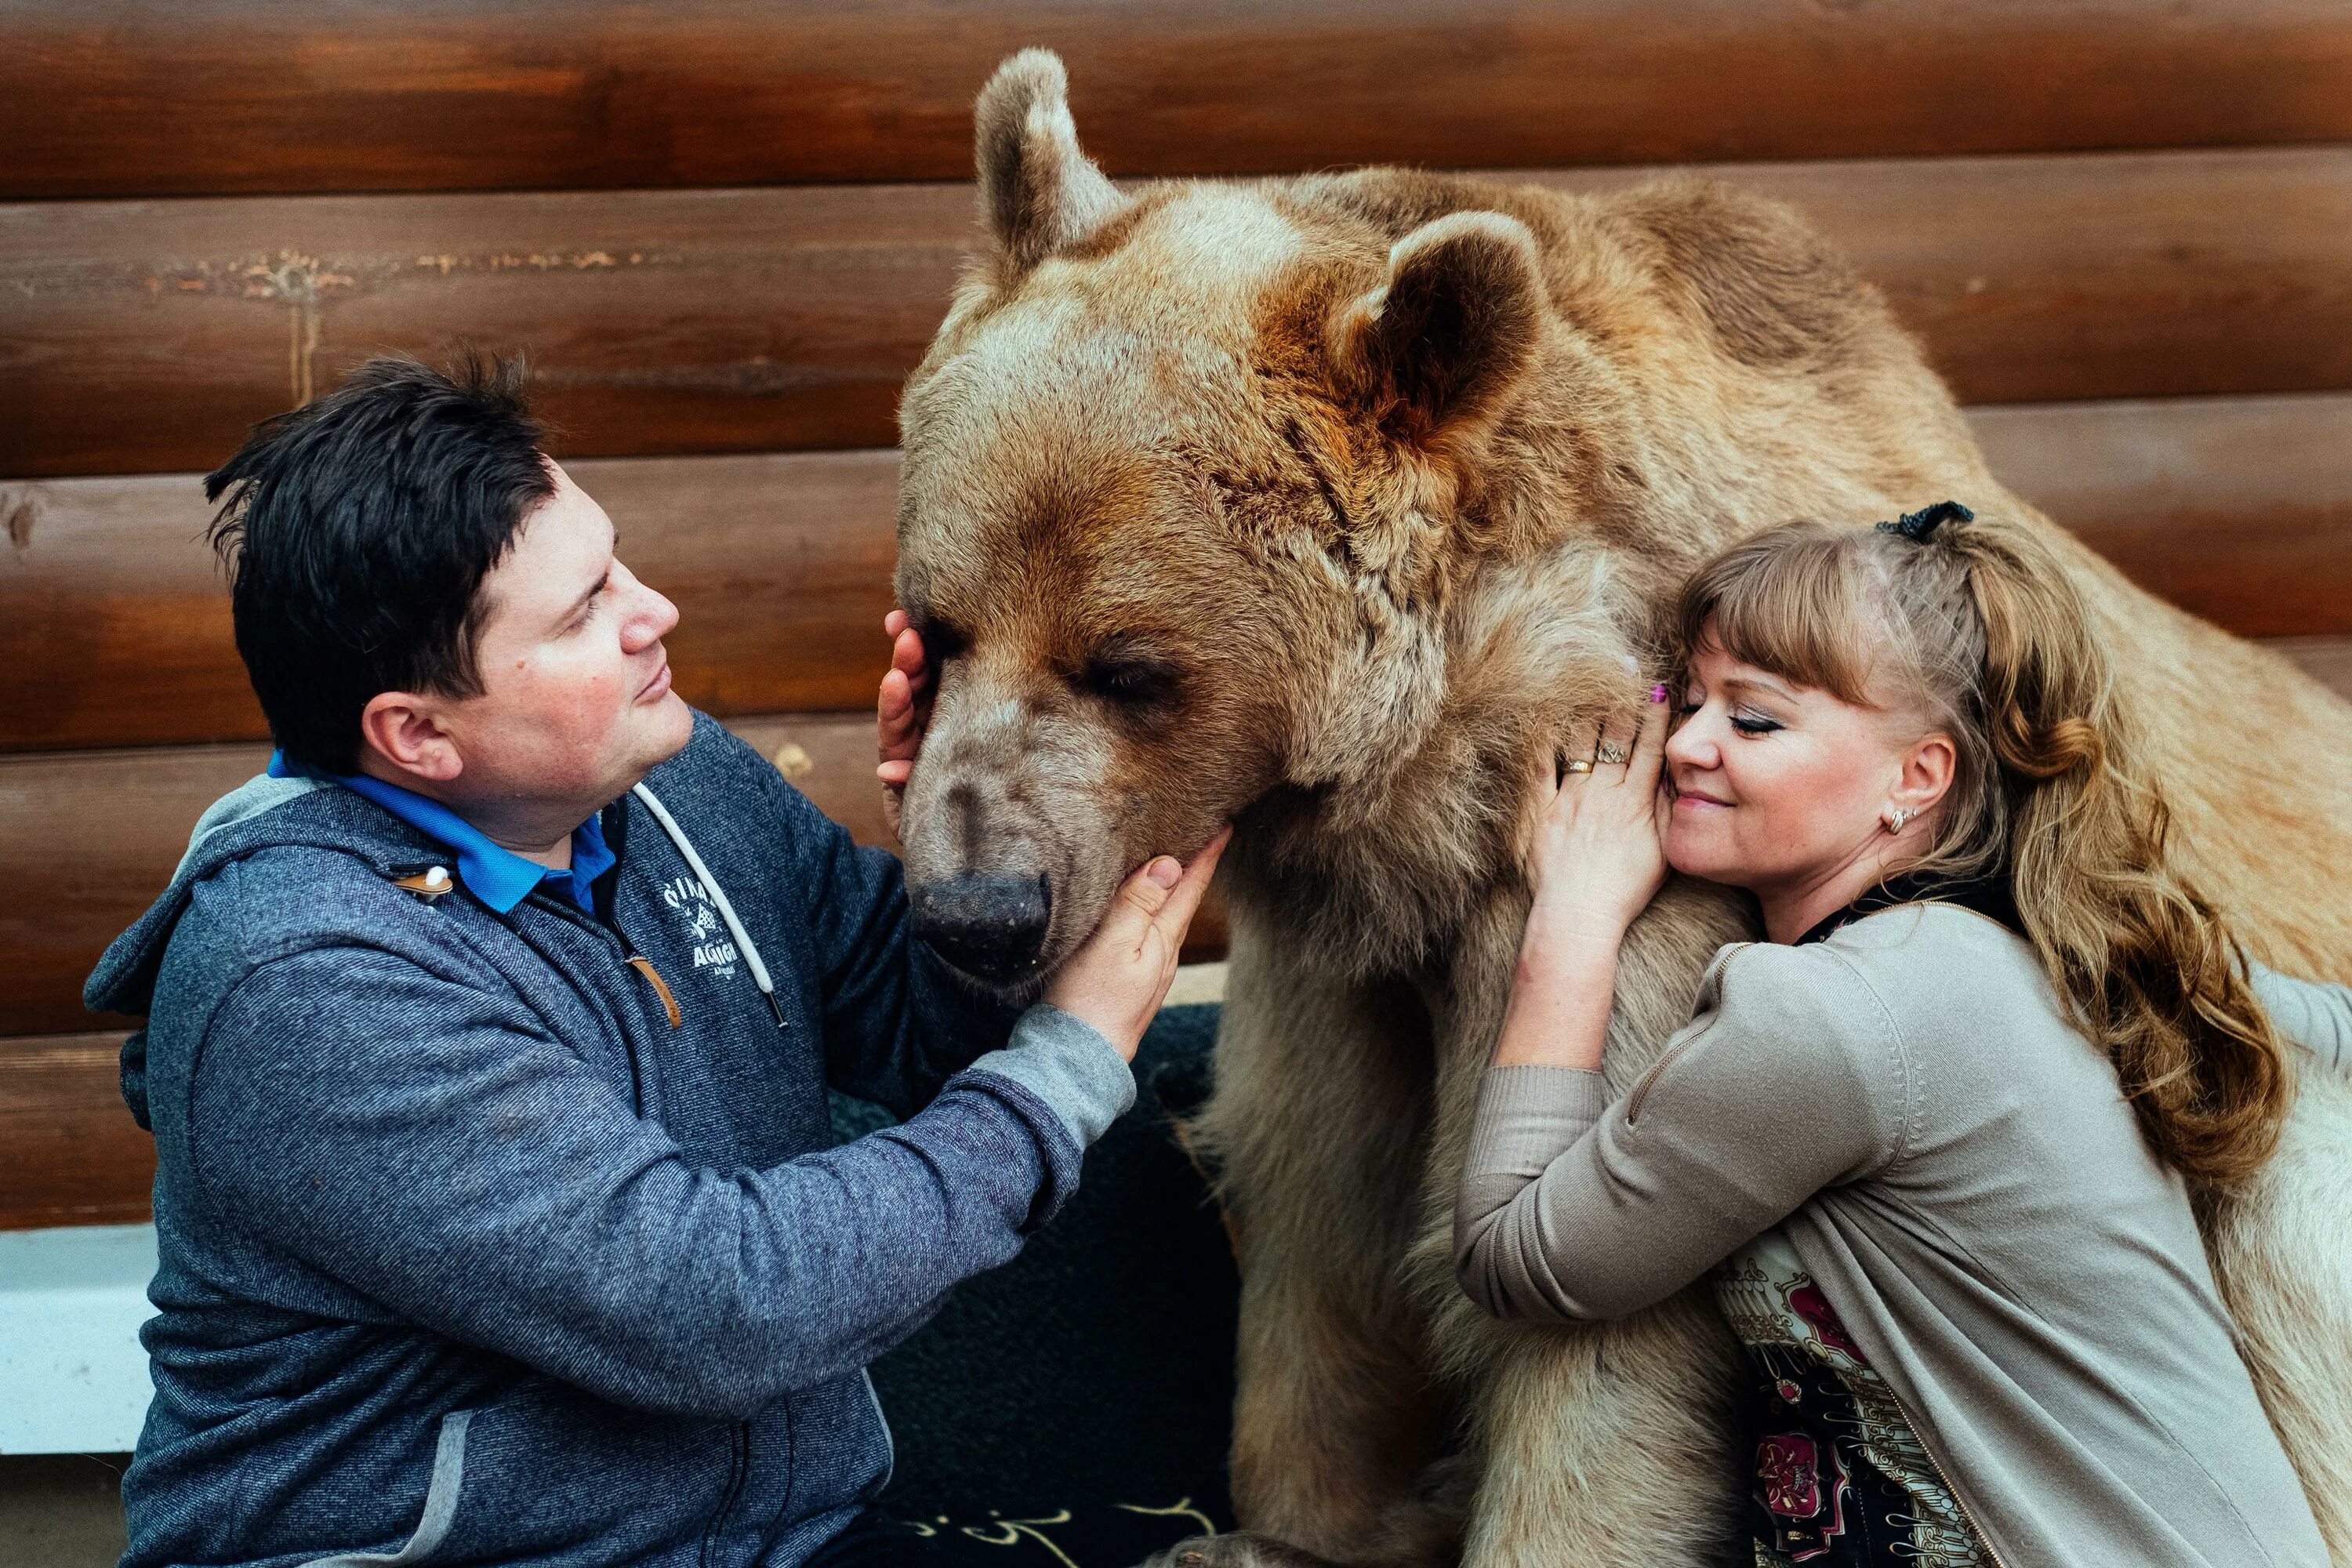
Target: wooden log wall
[(724, 229)]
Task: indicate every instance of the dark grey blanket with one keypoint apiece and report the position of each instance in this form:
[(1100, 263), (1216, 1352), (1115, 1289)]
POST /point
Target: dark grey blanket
[(1072, 1409)]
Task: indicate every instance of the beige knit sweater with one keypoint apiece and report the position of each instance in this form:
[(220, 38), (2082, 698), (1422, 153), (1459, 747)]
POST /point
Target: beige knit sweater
[(1959, 1173)]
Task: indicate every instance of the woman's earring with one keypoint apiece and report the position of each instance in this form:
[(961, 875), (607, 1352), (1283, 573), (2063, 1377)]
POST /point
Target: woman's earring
[(1896, 817)]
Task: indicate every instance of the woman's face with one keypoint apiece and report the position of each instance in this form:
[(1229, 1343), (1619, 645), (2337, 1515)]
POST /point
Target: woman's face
[(1781, 789)]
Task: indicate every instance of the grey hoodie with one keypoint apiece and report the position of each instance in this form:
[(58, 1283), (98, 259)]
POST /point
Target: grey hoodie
[(473, 1251)]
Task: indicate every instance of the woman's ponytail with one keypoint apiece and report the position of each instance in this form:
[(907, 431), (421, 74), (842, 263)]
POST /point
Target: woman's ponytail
[(2149, 966)]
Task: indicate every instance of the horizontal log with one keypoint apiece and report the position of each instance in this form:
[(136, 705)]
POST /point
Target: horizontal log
[(2143, 275), (2237, 508), (89, 839), (134, 97), (118, 615), (150, 336), (113, 617), (75, 1155)]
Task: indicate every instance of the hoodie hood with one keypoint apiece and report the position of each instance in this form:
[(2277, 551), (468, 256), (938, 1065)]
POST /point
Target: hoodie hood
[(261, 814)]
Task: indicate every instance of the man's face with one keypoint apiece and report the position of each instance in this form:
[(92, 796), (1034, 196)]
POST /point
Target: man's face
[(576, 704)]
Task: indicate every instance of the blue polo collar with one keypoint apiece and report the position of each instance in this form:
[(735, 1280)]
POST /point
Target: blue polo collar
[(491, 872)]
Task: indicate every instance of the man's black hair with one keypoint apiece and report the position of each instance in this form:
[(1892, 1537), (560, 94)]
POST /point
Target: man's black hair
[(357, 531)]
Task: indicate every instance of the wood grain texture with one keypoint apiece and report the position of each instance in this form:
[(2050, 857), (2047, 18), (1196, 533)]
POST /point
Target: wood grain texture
[(2238, 508), (2038, 278), (89, 839), (199, 97), (118, 613), (113, 615), (150, 336), (75, 1155)]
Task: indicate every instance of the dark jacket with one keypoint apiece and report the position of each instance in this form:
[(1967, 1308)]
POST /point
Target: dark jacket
[(470, 1254)]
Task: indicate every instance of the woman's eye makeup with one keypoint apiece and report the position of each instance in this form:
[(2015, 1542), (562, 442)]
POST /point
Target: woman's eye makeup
[(1745, 718)]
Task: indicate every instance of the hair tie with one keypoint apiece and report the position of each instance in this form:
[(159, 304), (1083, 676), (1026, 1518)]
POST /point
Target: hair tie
[(1918, 526)]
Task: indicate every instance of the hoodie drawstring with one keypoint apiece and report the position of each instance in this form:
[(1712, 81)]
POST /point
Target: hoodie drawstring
[(718, 896)]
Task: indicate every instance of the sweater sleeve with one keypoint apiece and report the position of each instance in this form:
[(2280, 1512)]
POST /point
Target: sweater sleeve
[(2312, 1013), (430, 1146), (1573, 1206)]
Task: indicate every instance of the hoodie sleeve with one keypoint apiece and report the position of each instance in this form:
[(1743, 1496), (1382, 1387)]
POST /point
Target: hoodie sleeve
[(430, 1146)]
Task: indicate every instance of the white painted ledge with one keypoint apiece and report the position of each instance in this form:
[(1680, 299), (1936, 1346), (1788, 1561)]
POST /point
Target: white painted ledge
[(73, 1378)]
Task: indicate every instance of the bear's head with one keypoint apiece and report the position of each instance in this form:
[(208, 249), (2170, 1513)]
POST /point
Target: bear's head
[(1190, 475)]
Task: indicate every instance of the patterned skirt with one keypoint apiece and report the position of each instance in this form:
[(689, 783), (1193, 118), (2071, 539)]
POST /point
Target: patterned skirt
[(1840, 1479)]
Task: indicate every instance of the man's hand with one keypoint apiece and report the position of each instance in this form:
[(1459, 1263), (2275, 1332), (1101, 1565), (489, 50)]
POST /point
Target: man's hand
[(901, 713), (1117, 980)]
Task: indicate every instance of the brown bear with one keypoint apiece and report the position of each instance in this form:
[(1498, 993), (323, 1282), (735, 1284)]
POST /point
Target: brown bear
[(1314, 504)]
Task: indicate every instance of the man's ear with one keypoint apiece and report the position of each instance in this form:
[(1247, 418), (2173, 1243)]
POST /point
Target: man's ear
[(1434, 352), (1037, 191), (401, 740)]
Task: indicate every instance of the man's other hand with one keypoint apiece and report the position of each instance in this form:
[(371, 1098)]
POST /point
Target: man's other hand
[(901, 712), (1117, 980)]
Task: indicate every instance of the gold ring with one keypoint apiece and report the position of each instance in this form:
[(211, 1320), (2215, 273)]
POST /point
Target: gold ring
[(1576, 765), (1613, 754)]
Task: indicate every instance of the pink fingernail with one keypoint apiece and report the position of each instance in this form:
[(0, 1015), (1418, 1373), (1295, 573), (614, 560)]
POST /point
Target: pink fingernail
[(1658, 692), (1165, 872)]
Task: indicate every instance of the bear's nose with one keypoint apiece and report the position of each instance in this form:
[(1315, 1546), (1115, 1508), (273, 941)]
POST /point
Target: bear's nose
[(992, 928)]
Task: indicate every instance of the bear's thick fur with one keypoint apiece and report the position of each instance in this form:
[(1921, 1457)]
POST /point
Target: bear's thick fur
[(1315, 504)]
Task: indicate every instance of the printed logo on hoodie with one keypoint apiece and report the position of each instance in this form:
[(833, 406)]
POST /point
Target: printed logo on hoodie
[(713, 949)]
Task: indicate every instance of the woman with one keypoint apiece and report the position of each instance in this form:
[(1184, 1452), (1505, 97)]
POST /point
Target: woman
[(1934, 1142)]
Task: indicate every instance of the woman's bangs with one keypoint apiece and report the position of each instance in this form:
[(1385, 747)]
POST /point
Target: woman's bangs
[(1794, 610)]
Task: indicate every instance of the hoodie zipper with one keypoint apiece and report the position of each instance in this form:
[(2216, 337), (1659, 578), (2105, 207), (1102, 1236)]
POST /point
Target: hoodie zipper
[(616, 942)]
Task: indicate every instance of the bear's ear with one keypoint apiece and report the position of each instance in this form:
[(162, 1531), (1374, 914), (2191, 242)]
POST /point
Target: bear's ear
[(1434, 352), (1037, 191)]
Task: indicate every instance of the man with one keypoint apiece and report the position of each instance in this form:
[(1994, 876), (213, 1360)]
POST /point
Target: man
[(488, 1035)]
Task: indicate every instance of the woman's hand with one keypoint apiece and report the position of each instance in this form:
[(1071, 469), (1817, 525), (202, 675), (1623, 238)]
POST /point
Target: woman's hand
[(1598, 857), (1117, 980), (1596, 861), (901, 713)]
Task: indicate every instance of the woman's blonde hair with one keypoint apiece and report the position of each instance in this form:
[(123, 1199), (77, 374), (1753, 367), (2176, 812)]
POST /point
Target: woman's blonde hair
[(1975, 623)]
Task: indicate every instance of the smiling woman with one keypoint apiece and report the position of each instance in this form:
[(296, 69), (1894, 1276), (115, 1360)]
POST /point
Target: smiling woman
[(1882, 1138), (1930, 700), (1796, 821)]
